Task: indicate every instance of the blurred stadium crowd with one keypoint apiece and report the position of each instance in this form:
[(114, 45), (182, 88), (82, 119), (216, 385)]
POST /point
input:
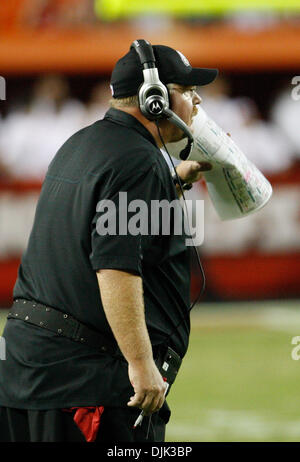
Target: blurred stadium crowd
[(30, 134), (57, 56)]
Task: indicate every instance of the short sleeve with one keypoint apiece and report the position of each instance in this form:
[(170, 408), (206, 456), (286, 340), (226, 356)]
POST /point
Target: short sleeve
[(121, 223)]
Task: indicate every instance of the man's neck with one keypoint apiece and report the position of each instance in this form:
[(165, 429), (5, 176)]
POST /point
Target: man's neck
[(148, 124)]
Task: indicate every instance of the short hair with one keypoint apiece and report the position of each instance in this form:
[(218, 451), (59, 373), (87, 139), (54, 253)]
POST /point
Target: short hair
[(129, 101)]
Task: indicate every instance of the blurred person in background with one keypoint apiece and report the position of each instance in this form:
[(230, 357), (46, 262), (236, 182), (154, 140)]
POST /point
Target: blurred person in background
[(94, 311), (285, 113), (31, 136), (222, 107), (98, 102), (262, 141), (4, 171)]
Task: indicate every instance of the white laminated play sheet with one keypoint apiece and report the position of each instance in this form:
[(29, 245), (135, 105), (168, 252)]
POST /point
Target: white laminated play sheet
[(235, 185)]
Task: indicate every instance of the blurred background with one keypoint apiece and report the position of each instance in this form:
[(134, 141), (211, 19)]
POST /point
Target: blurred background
[(238, 381)]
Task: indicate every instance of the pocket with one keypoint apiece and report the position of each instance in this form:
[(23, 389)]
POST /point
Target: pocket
[(165, 412)]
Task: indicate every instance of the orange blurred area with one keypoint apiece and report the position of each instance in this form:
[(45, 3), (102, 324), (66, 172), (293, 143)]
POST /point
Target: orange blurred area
[(23, 14), (96, 49), (66, 35), (11, 13)]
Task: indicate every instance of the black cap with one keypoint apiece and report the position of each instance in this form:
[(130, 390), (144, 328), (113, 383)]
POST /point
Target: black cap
[(173, 67)]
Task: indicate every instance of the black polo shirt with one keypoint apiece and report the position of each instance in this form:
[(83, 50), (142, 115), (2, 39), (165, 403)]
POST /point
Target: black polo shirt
[(66, 248)]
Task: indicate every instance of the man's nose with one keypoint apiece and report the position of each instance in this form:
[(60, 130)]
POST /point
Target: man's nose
[(197, 99)]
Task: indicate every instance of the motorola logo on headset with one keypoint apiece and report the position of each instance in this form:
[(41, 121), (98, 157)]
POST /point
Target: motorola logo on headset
[(155, 105)]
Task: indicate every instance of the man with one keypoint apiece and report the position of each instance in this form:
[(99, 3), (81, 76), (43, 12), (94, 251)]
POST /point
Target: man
[(126, 294)]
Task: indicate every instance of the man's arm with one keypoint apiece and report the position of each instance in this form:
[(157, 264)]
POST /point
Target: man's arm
[(123, 302)]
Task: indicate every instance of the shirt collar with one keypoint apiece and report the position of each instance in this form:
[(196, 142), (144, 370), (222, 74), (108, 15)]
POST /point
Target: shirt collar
[(123, 118)]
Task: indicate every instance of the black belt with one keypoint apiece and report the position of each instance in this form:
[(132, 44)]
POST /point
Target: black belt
[(62, 324), (65, 325)]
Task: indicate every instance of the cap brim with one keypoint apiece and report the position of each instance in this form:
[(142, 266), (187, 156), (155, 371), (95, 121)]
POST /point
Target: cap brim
[(200, 76)]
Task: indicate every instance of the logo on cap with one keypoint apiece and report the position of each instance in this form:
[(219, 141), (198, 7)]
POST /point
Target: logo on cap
[(184, 59)]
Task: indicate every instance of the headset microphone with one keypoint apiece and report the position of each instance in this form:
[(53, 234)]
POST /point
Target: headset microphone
[(170, 115)]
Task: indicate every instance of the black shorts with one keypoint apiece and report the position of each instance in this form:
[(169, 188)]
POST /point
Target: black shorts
[(57, 425)]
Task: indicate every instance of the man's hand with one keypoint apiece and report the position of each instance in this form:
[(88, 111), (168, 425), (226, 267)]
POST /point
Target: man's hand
[(190, 170), (148, 385)]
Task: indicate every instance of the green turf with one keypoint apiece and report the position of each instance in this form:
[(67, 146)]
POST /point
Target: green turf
[(238, 381), (3, 314), (237, 384)]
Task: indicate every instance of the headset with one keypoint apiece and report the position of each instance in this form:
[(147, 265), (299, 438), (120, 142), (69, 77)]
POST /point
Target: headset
[(154, 104), (153, 95)]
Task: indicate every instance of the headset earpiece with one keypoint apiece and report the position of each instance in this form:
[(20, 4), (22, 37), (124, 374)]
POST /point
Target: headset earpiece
[(153, 94)]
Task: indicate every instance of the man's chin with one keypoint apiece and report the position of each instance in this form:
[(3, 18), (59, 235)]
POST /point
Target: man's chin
[(178, 137)]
